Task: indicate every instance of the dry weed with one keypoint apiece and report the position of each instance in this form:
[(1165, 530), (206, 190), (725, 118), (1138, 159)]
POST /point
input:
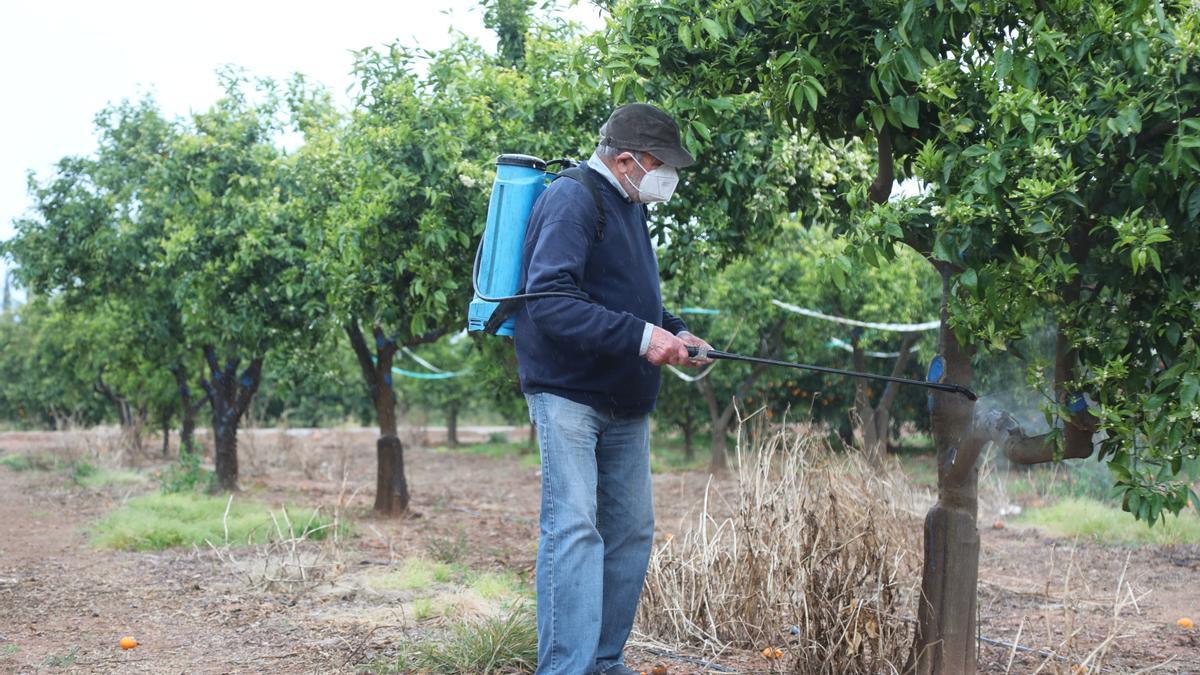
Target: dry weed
[(817, 558)]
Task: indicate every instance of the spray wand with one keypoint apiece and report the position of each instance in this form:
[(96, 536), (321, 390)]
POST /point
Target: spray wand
[(701, 353)]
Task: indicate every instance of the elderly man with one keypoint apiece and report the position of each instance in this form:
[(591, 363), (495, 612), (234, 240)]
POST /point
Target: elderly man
[(590, 373)]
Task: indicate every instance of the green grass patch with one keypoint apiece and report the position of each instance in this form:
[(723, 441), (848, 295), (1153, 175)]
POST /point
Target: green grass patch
[(496, 586), (32, 462), (413, 574), (88, 475), (1090, 519), (501, 644), (157, 521)]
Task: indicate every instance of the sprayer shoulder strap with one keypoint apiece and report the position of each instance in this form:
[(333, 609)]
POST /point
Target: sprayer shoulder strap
[(579, 175)]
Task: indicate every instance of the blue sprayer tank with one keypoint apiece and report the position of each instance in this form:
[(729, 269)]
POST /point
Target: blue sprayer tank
[(520, 180)]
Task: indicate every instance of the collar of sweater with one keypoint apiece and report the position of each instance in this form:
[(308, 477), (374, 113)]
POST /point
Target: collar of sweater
[(596, 164)]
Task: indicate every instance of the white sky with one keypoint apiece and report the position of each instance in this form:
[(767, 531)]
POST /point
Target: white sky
[(61, 61)]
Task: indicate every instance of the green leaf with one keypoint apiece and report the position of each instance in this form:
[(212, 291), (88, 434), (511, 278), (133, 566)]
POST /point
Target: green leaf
[(746, 12), (712, 28), (685, 36)]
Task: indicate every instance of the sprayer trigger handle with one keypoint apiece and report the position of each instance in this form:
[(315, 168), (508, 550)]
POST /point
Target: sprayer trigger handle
[(695, 352)]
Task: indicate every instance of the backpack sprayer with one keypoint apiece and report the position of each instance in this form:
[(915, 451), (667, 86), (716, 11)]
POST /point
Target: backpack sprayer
[(496, 274)]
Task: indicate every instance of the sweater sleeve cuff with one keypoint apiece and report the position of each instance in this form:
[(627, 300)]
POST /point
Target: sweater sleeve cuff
[(646, 333)]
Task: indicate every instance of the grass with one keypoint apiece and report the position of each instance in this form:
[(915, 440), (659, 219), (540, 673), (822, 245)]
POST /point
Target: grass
[(88, 475), (34, 462), (413, 574), (62, 660), (1089, 519), (496, 586), (158, 521), (500, 644)]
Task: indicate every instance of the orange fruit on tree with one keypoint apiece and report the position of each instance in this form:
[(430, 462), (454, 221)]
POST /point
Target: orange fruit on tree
[(128, 642)]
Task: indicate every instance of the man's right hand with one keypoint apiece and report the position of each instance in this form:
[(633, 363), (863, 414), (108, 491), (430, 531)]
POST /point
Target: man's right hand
[(666, 348)]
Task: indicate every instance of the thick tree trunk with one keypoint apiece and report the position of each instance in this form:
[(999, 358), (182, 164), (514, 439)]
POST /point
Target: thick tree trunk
[(391, 485), (230, 396), (945, 638), (452, 425)]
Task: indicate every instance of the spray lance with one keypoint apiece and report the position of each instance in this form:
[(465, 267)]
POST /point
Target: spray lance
[(496, 274), (935, 371)]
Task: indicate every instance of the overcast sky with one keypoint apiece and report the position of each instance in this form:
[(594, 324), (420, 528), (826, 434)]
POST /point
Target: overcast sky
[(62, 61)]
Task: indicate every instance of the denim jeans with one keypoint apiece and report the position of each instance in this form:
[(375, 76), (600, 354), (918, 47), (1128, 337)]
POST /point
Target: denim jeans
[(597, 525)]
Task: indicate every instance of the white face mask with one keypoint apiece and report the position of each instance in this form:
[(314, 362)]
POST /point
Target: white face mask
[(657, 185)]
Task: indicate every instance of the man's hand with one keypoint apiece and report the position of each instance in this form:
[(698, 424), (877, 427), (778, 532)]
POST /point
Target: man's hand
[(693, 341), (666, 348)]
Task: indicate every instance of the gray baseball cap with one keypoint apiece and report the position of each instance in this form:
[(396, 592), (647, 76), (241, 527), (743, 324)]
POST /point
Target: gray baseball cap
[(641, 126)]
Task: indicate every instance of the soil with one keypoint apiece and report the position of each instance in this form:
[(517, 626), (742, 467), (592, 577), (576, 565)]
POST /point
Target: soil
[(64, 603)]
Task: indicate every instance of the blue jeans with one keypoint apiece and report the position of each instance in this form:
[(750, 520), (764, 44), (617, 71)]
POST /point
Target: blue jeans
[(597, 525)]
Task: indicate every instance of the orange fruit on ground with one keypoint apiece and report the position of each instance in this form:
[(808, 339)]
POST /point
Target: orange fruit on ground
[(1185, 623), (660, 669), (998, 525), (772, 653), (128, 643)]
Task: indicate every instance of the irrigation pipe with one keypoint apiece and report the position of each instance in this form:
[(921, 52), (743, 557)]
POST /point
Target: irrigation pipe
[(894, 327), (842, 344)]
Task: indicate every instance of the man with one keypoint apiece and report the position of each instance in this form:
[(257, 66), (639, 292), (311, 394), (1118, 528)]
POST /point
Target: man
[(590, 373)]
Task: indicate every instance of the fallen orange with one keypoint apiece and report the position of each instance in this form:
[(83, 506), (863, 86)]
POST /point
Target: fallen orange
[(128, 643), (772, 653), (1185, 623)]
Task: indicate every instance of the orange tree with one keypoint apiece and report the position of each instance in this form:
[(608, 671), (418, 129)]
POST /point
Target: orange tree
[(93, 242), (1056, 146), (398, 194)]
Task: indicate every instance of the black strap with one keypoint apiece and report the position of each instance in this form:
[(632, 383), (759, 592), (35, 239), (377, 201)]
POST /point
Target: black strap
[(580, 175)]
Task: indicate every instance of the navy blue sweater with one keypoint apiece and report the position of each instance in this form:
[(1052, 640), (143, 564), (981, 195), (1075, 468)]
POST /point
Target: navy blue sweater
[(588, 351)]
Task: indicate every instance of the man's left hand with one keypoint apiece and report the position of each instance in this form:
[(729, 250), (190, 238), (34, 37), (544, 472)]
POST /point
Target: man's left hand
[(693, 341)]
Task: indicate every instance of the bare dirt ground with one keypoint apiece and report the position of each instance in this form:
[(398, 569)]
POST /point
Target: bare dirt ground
[(64, 603)]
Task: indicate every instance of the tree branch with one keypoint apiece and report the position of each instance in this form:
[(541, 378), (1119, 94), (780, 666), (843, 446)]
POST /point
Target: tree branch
[(881, 187), (892, 389), (426, 338), (362, 352), (248, 384), (1165, 127)]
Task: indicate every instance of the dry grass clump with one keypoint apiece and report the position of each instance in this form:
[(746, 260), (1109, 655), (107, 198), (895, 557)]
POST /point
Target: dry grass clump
[(816, 558)]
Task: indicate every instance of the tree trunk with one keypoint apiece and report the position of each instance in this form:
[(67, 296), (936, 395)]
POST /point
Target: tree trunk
[(391, 486), (230, 396), (166, 431), (188, 409), (945, 637), (719, 421), (452, 425), (872, 422), (130, 424), (689, 433)]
